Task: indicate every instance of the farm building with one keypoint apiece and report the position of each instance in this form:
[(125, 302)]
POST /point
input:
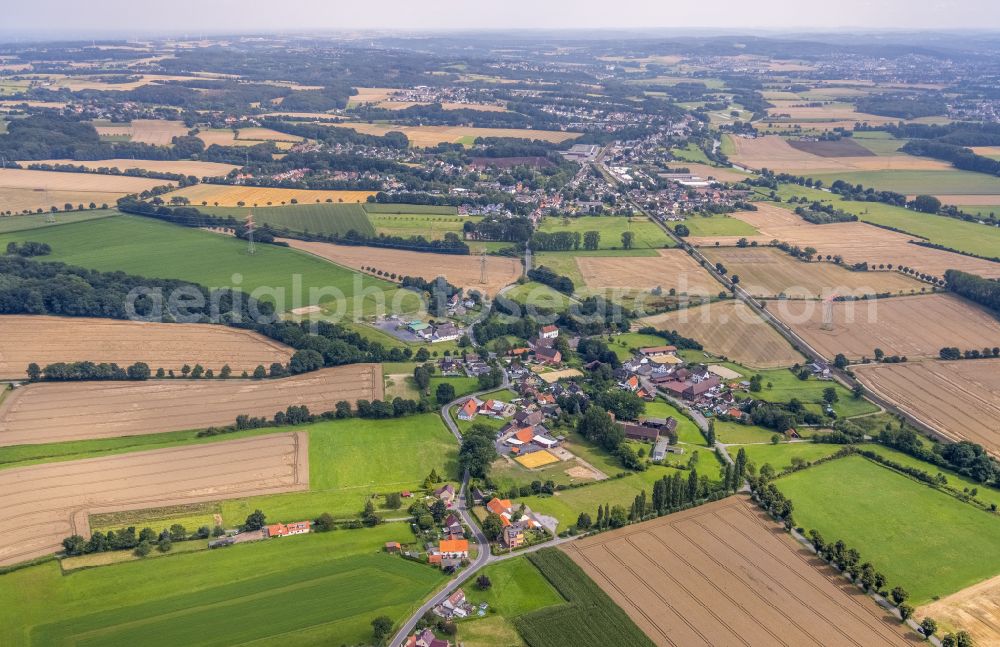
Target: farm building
[(285, 530)]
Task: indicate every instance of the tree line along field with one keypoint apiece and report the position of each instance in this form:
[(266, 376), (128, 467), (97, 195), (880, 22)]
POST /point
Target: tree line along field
[(324, 218), (646, 232), (313, 589), (723, 573), (912, 326), (56, 412), (43, 504), (959, 398), (770, 272), (45, 340), (898, 524), (147, 247)]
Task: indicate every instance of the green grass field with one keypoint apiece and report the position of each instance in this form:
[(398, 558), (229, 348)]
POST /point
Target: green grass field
[(10, 224), (956, 234), (350, 460), (648, 234), (625, 345), (879, 142), (780, 456), (539, 296), (786, 385), (687, 431), (424, 209), (690, 153), (156, 249), (735, 433), (913, 182), (922, 539), (719, 225), (315, 589), (518, 588), (432, 226), (319, 218)]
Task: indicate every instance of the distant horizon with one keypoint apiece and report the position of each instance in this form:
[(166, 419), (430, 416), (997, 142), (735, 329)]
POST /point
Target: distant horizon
[(47, 18)]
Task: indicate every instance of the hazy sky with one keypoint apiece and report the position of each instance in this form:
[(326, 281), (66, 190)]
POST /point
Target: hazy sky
[(87, 17)]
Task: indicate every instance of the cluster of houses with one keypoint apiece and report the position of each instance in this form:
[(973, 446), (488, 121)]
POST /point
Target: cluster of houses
[(434, 332), (426, 638), (470, 364), (516, 522), (456, 606)]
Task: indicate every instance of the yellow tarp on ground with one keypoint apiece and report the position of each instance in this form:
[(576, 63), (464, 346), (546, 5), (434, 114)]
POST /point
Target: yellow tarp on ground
[(537, 459)]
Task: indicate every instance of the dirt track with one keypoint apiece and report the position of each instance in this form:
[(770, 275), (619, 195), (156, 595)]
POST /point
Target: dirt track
[(43, 504), (917, 326), (57, 412), (962, 398), (45, 340), (723, 574)]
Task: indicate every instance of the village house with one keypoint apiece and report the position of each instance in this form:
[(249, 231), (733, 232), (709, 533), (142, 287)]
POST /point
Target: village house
[(453, 548), (285, 530), (497, 409), (446, 493), (548, 332), (469, 410), (657, 351), (393, 547), (547, 355), (453, 527), (445, 332), (641, 432)]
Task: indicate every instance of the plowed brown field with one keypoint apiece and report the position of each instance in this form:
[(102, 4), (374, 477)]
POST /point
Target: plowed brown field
[(45, 340), (724, 574), (56, 412), (959, 398), (43, 504), (730, 329), (461, 270), (917, 327)]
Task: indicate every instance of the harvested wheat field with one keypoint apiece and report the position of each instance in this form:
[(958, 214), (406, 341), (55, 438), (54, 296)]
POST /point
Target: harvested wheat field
[(20, 201), (725, 574), (185, 167), (769, 272), (246, 137), (424, 136), (224, 195), (730, 329), (45, 340), (971, 200), (62, 411), (85, 186), (774, 152), (855, 242), (43, 504), (371, 95), (961, 399), (914, 326), (158, 132), (457, 269), (670, 268), (975, 609)]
